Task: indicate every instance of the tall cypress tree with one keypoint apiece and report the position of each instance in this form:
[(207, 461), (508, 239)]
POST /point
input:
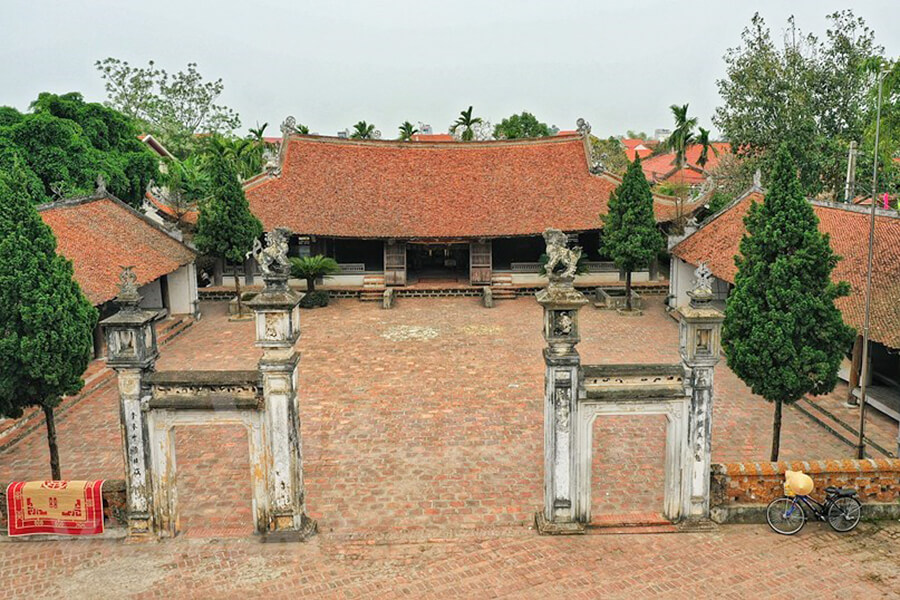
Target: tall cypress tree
[(46, 323), (225, 226), (630, 234), (783, 335)]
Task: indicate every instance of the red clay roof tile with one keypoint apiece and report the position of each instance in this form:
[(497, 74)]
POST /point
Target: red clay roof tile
[(384, 189), (101, 234), (717, 242)]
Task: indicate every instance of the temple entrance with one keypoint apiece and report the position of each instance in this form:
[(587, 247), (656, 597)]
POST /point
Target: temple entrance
[(438, 263)]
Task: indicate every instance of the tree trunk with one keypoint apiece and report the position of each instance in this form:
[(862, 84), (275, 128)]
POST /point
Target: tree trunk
[(237, 290), (628, 290), (855, 367), (217, 272), (776, 432), (310, 284), (51, 442)]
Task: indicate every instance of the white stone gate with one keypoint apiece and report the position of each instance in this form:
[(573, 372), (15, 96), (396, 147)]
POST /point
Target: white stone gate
[(264, 401), (575, 396)]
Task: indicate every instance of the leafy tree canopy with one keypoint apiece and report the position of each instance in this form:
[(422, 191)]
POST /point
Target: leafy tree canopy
[(524, 125), (46, 321), (783, 335), (64, 143), (225, 226), (173, 106), (610, 153), (813, 94)]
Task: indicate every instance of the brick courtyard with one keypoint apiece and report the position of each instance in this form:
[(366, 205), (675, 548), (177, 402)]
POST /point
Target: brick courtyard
[(424, 422)]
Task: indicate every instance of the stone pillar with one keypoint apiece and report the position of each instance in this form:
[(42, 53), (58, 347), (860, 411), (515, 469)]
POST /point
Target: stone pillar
[(562, 385), (277, 313), (132, 351), (700, 344)]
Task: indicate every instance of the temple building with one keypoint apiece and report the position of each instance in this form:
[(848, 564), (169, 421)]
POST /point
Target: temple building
[(398, 213), (717, 242), (100, 234)]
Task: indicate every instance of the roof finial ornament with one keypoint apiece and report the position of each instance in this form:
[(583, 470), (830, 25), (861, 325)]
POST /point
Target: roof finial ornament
[(583, 127), (701, 294), (100, 190), (289, 126), (128, 297), (757, 179)]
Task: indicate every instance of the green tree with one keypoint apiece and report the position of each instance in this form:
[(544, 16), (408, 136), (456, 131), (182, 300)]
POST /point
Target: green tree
[(636, 135), (363, 131), (46, 321), (173, 106), (630, 234), (186, 184), (311, 268), (65, 143), (682, 136), (226, 228), (809, 93), (783, 335), (407, 130), (705, 144), (524, 125), (465, 124), (610, 153)]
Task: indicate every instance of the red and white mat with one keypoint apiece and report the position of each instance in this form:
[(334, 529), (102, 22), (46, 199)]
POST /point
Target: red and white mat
[(55, 507)]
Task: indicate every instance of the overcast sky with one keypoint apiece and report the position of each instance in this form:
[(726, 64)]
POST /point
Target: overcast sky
[(333, 62)]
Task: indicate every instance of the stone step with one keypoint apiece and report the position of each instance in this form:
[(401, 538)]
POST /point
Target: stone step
[(845, 432)]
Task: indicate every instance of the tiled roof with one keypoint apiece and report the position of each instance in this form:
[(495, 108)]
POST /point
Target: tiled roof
[(432, 137), (101, 234), (384, 189), (662, 166), (166, 209), (717, 242)]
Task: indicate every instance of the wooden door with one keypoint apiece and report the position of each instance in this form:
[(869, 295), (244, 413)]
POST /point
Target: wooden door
[(480, 263), (395, 263)]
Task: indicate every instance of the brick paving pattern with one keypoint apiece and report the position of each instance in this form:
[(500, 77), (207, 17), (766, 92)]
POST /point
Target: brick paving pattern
[(424, 423)]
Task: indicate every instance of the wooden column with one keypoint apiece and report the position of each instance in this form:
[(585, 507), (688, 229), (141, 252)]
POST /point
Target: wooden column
[(855, 368)]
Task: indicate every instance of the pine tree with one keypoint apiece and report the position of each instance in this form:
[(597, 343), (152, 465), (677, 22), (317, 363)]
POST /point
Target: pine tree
[(630, 235), (225, 226), (783, 335), (46, 322)]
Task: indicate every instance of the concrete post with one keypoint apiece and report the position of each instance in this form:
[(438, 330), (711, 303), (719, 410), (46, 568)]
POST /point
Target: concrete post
[(277, 313), (562, 385), (132, 351), (700, 344)]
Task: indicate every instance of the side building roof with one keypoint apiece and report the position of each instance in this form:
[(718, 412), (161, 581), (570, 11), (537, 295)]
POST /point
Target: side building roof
[(717, 243), (100, 234), (388, 189)]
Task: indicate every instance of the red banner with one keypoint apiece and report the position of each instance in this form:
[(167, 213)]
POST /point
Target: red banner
[(55, 507)]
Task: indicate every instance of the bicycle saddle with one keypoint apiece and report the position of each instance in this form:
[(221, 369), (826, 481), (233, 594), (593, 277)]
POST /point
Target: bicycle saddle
[(836, 491)]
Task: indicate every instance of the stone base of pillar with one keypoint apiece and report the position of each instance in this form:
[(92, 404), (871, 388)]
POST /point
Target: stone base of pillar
[(697, 525), (308, 528), (545, 527), (139, 528)]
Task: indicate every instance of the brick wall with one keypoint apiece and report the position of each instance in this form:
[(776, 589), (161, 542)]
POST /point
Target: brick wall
[(113, 504), (876, 480)]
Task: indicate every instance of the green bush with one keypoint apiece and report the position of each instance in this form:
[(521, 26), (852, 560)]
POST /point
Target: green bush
[(314, 299)]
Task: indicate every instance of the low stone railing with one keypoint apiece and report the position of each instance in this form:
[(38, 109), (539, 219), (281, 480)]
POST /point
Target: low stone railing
[(739, 492)]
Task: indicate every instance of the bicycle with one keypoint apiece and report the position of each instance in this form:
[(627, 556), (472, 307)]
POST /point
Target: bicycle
[(841, 509)]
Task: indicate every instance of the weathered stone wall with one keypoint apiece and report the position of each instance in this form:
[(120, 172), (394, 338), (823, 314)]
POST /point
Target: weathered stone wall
[(113, 504), (749, 483)]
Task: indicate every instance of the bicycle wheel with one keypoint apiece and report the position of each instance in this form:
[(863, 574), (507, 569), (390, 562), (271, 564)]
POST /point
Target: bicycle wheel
[(844, 513), (784, 516)]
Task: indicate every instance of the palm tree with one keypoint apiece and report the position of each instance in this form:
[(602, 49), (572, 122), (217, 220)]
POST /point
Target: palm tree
[(257, 133), (311, 268), (466, 122), (683, 134), (705, 146), (363, 131), (302, 129), (407, 130)]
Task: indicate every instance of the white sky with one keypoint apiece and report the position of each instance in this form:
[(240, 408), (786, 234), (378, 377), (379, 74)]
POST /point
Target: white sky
[(333, 62)]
